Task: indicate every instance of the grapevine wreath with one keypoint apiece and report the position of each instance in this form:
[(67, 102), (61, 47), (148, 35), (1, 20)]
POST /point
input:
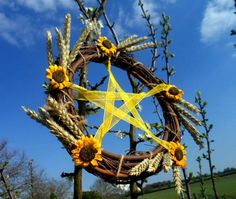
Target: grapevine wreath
[(61, 116)]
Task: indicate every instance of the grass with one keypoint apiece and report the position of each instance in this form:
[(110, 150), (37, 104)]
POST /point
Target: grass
[(226, 188)]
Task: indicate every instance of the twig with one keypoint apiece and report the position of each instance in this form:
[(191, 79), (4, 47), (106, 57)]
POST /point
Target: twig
[(157, 111), (207, 127), (147, 16), (66, 175), (6, 185), (110, 26), (92, 110), (202, 187), (101, 9), (82, 8), (110, 131), (95, 87), (166, 28)]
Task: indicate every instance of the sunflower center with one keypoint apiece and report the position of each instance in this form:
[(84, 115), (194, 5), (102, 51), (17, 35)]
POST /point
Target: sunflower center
[(58, 76), (87, 153), (107, 44), (179, 154), (173, 91)]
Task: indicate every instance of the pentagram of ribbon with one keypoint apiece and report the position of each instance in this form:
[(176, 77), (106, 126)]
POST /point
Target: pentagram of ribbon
[(112, 115)]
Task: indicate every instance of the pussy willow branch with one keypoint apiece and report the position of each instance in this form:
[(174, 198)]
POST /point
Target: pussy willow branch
[(165, 42), (110, 26), (157, 111), (82, 7), (152, 29), (166, 58), (98, 12), (202, 187), (154, 51), (207, 127), (110, 131), (101, 9), (95, 87)]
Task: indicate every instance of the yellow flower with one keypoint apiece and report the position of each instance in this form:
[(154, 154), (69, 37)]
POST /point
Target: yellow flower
[(58, 77), (178, 153), (87, 152), (173, 93), (106, 46)]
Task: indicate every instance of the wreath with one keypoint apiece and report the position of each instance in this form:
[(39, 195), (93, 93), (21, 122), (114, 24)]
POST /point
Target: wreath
[(61, 116)]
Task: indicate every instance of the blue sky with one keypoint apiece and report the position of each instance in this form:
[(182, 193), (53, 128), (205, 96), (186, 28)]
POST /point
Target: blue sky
[(205, 60)]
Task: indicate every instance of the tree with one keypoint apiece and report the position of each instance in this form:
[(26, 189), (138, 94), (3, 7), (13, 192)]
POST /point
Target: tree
[(106, 190), (20, 178), (40, 186), (13, 168)]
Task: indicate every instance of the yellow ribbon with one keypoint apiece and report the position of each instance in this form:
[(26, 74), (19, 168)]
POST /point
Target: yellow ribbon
[(112, 114)]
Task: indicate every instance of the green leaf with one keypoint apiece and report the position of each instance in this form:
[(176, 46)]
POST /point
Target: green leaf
[(210, 127), (204, 156), (156, 125), (204, 103), (3, 165), (53, 196), (233, 32), (171, 55), (172, 72), (198, 159), (190, 175)]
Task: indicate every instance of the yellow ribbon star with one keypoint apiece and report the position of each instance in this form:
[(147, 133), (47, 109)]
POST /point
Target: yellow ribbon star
[(112, 114)]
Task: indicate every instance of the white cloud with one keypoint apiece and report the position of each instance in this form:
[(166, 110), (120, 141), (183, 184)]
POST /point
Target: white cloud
[(128, 19), (218, 20), (169, 1), (46, 5), (234, 55), (151, 7), (17, 32), (20, 28)]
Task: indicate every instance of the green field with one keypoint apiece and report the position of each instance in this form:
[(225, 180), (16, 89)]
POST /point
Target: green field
[(226, 187)]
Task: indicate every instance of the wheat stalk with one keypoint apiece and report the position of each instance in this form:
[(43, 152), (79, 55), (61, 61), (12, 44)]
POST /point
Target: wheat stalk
[(140, 168)]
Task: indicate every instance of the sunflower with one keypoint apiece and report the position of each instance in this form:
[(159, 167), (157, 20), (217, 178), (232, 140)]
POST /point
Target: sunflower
[(178, 153), (87, 152), (173, 93), (58, 77), (106, 46)]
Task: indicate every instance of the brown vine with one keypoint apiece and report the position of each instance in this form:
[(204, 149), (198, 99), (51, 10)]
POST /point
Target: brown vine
[(115, 167)]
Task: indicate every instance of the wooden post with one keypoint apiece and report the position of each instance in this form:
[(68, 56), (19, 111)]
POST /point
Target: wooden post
[(78, 191)]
